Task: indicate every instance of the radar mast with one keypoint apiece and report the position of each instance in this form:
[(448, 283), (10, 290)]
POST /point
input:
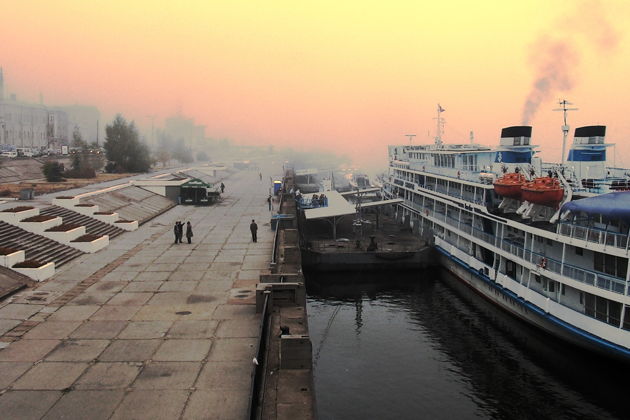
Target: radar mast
[(565, 127)]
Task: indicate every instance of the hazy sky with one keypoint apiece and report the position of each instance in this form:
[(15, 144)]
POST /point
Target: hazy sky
[(351, 76)]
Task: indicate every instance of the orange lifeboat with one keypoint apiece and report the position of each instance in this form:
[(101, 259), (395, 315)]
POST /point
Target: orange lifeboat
[(509, 185), (545, 191)]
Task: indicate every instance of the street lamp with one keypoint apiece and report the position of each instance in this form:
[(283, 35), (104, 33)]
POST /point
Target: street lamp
[(2, 131), (152, 128)]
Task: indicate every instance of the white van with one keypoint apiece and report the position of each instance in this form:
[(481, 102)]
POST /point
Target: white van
[(9, 154), (24, 151)]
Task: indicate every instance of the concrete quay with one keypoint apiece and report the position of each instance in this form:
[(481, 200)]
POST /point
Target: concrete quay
[(145, 329)]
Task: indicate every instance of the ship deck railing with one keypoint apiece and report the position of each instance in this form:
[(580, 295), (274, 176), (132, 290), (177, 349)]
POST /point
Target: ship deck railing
[(592, 234), (593, 278), (308, 203), (451, 192)]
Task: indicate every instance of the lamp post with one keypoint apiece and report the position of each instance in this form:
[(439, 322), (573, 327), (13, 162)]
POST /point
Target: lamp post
[(152, 117), (2, 131)]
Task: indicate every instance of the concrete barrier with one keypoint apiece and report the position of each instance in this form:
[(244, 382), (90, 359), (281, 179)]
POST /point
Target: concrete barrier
[(295, 352), (282, 294)]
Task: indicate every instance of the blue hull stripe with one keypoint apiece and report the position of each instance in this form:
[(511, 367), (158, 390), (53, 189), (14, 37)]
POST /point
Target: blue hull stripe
[(584, 334)]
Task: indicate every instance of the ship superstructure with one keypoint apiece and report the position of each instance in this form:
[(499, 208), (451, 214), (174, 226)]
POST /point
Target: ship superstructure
[(532, 237)]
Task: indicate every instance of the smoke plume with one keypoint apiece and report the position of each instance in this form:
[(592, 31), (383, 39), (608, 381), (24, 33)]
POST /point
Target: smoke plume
[(556, 60)]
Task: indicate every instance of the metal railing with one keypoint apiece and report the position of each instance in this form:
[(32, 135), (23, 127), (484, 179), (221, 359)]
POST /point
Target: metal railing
[(593, 278), (274, 249), (258, 376), (599, 236), (599, 280)]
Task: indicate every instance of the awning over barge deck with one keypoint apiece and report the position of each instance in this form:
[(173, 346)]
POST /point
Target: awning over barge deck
[(364, 191), (338, 206), (614, 205), (381, 203)]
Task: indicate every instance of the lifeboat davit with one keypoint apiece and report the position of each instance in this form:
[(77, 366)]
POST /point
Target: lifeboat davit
[(545, 191), (509, 185)]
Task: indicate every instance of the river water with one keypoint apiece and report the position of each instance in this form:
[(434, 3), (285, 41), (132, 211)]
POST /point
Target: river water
[(409, 346)]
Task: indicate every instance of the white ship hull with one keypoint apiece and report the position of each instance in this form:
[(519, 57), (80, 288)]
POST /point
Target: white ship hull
[(526, 311)]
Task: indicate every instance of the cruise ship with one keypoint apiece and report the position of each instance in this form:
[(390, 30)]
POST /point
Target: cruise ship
[(546, 242)]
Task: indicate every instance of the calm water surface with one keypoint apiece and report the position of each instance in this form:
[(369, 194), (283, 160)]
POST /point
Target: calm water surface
[(402, 346)]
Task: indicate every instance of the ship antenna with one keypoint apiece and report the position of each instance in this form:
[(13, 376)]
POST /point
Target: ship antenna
[(411, 136), (440, 125), (565, 127)]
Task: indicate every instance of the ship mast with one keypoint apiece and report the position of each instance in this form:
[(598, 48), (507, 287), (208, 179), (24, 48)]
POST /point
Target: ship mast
[(440, 126), (565, 127)]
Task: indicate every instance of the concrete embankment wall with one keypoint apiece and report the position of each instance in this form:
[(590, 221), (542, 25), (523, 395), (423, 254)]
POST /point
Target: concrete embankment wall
[(284, 382)]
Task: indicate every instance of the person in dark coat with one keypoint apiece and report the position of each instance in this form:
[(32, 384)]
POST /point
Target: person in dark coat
[(222, 187), (180, 232), (253, 227), (269, 201), (189, 233), (176, 231)]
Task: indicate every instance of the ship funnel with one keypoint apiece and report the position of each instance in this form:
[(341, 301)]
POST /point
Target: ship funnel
[(591, 134), (514, 145), (587, 154), (518, 135)]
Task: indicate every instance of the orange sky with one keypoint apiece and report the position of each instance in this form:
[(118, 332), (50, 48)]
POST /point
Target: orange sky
[(348, 76)]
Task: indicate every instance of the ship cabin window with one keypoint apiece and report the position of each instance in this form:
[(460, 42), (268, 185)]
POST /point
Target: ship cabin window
[(549, 241), (510, 269), (563, 289), (603, 309), (537, 279), (579, 251), (626, 319), (609, 264), (469, 162), (525, 141), (517, 141), (444, 161), (596, 140)]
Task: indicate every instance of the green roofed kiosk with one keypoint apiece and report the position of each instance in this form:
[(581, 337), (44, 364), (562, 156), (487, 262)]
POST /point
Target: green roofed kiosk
[(197, 192)]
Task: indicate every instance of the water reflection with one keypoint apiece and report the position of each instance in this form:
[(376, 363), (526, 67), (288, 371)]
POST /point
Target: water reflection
[(410, 346)]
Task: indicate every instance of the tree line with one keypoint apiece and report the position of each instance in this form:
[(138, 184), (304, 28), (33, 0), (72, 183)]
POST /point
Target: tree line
[(124, 152)]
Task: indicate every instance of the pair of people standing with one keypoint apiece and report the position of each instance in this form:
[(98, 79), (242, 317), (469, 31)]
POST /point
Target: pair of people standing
[(178, 230)]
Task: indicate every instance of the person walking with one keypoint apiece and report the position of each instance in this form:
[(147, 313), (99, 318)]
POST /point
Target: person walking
[(189, 233), (269, 201), (260, 175), (253, 227), (222, 187)]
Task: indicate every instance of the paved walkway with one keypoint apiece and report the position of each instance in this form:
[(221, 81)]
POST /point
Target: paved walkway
[(145, 328)]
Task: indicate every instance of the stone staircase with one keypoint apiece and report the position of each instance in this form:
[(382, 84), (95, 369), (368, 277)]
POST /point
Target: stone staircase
[(92, 226), (36, 247)]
